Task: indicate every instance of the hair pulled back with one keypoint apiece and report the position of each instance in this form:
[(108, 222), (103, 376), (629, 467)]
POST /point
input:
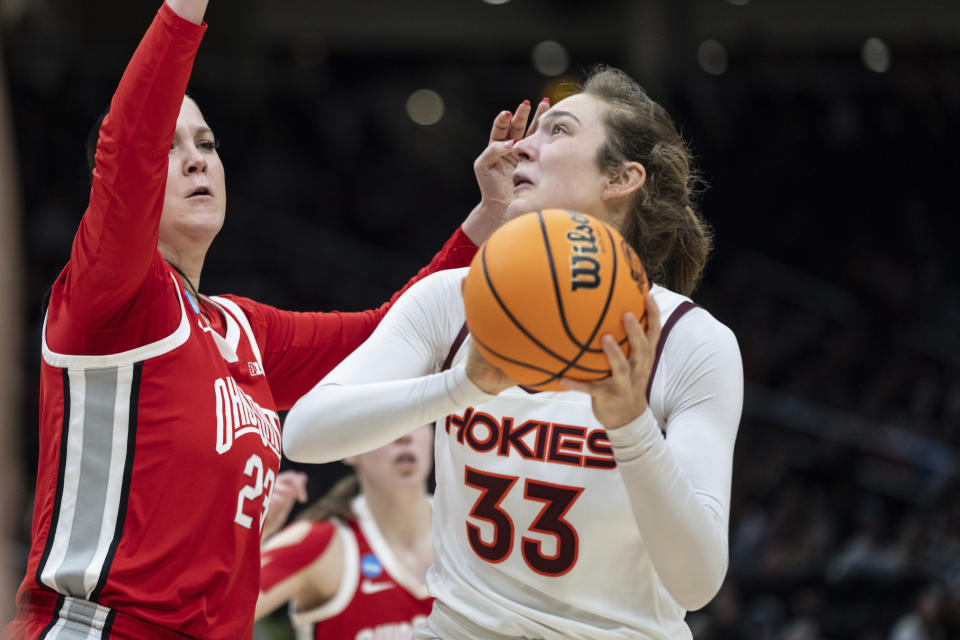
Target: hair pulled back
[(336, 502), (671, 238)]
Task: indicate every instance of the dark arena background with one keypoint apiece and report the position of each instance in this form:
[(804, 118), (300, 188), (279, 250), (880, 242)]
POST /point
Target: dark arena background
[(827, 131)]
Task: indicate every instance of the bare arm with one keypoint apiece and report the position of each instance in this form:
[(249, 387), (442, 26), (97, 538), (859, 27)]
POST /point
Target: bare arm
[(309, 587), (191, 10)]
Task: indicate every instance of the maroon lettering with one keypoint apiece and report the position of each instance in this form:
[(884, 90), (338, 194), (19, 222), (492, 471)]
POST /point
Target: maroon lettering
[(459, 422), (484, 420), (560, 436), (511, 438), (598, 443)]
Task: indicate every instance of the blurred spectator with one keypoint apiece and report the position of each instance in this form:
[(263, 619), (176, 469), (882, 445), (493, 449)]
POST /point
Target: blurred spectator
[(923, 621)]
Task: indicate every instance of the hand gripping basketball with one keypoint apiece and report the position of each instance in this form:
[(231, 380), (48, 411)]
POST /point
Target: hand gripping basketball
[(622, 397)]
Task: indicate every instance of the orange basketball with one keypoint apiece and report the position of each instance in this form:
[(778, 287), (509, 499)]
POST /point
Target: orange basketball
[(544, 289)]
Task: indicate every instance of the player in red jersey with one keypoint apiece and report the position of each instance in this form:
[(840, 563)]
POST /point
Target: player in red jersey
[(355, 563), (159, 437)]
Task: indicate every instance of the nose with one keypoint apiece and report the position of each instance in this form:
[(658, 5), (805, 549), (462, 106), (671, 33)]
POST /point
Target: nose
[(194, 162), (404, 439), (525, 148)]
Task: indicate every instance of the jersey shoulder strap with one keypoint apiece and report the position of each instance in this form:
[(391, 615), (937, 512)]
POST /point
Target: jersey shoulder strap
[(678, 313), (457, 343)]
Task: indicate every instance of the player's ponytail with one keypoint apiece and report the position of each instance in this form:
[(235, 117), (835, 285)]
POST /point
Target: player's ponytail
[(336, 502), (663, 224)]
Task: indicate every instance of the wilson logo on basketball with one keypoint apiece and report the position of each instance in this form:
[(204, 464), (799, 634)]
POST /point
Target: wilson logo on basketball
[(584, 268)]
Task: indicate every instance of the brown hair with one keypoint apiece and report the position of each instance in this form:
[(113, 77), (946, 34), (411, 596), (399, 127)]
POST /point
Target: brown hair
[(663, 225), (336, 502)]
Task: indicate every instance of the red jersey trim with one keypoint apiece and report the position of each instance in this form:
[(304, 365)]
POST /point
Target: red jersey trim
[(138, 354)]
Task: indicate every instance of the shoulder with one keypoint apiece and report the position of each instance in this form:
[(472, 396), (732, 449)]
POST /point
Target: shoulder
[(694, 323), (312, 537), (433, 307), (251, 308), (438, 284)]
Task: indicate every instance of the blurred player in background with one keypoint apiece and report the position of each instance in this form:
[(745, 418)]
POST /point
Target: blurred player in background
[(355, 563), (159, 436), (563, 515)]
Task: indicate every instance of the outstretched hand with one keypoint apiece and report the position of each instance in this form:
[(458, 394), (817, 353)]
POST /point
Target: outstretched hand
[(494, 169), (621, 397)]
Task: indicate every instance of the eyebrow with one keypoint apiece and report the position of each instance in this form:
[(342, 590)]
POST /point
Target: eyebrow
[(553, 115)]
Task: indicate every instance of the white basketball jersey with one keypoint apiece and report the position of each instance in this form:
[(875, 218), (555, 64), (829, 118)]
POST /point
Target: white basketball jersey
[(534, 535)]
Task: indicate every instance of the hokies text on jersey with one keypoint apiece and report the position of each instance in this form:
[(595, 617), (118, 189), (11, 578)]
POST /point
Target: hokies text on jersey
[(533, 440), (238, 414)]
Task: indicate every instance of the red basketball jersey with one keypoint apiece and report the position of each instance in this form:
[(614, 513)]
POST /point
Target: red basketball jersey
[(159, 440), (378, 598)]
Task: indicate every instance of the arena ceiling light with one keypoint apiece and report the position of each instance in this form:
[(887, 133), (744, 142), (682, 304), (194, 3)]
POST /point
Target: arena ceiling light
[(550, 58), (712, 57), (876, 55), (425, 106)]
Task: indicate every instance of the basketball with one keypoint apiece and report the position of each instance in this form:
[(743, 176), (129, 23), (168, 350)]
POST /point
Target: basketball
[(544, 289)]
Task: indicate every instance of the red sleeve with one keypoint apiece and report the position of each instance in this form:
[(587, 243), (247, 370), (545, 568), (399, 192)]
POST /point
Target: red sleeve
[(298, 349), (279, 563), (115, 249)]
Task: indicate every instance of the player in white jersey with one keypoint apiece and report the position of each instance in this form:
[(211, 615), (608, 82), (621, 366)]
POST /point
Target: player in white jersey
[(599, 513)]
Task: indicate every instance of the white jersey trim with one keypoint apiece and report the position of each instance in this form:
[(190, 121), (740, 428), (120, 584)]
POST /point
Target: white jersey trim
[(233, 338), (95, 451), (403, 576), (349, 579), (79, 618), (137, 354)]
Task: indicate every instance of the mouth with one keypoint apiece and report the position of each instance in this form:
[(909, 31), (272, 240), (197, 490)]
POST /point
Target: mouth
[(520, 181), (199, 192), (405, 458)]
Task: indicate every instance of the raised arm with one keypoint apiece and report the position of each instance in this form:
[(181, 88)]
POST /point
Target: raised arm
[(116, 243), (191, 10)]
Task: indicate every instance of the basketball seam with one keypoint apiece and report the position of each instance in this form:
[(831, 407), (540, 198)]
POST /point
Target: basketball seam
[(511, 360), (506, 311)]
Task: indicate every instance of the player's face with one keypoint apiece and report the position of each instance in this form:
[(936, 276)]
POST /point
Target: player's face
[(404, 463), (557, 165), (196, 196)]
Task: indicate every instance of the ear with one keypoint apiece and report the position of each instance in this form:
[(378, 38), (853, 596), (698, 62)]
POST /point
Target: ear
[(627, 181)]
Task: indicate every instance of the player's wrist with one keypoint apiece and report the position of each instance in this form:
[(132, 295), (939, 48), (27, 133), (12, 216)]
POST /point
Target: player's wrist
[(484, 219)]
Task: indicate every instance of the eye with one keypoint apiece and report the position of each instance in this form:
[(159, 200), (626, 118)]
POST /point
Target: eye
[(208, 145), (557, 128)]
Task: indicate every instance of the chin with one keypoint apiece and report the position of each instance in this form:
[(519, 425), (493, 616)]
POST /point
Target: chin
[(518, 207)]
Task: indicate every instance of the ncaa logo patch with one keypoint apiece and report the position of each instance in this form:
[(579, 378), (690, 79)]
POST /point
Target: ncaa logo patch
[(370, 566)]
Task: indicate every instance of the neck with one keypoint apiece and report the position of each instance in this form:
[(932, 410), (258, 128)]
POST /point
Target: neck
[(189, 265), (404, 517)]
